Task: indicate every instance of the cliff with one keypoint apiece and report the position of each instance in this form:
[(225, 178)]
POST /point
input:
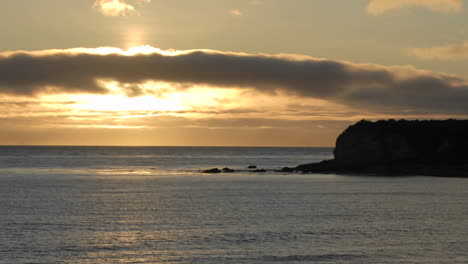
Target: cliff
[(432, 148)]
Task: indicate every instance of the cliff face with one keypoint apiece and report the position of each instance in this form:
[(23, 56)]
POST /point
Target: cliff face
[(400, 147), (389, 142)]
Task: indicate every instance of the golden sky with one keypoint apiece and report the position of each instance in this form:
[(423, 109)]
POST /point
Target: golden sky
[(225, 73)]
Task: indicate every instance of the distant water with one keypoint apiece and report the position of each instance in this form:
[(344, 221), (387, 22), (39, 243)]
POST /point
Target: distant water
[(151, 205)]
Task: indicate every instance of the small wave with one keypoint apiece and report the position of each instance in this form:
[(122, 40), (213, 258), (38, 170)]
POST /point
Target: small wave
[(242, 238), (300, 258)]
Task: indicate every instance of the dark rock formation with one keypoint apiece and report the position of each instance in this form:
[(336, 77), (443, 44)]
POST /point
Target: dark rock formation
[(286, 169), (432, 148), (251, 167), (214, 170), (229, 170)]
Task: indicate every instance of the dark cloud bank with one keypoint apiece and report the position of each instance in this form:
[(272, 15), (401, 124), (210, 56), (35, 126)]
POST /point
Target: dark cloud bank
[(367, 86)]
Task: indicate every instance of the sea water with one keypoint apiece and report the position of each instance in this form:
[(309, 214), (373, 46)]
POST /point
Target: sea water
[(152, 205)]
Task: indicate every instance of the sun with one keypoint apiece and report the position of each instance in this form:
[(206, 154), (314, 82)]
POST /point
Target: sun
[(154, 97), (125, 104)]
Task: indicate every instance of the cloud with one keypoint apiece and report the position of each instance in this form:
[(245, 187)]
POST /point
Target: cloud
[(378, 7), (116, 7), (362, 86), (168, 131), (235, 12), (448, 52)]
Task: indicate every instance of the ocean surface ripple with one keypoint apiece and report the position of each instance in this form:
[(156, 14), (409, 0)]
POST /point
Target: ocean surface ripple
[(97, 205)]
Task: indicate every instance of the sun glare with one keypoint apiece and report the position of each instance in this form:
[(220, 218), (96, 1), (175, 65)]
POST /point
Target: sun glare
[(124, 103), (131, 51), (164, 97), (145, 49), (133, 36)]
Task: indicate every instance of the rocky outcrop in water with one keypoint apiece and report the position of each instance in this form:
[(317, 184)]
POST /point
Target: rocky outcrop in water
[(433, 148), (214, 170), (229, 170)]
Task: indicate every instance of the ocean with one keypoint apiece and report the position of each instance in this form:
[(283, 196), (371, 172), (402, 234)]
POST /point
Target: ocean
[(152, 205)]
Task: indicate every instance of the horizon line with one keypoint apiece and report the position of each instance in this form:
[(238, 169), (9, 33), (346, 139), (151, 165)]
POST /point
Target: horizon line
[(165, 146)]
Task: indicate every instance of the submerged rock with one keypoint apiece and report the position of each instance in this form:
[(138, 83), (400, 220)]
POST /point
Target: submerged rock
[(251, 167)]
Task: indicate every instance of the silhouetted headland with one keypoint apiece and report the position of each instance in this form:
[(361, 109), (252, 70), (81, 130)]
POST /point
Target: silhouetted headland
[(430, 148)]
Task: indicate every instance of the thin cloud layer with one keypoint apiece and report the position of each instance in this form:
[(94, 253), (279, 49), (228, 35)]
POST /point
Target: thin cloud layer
[(365, 86), (378, 7), (448, 52), (116, 7)]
